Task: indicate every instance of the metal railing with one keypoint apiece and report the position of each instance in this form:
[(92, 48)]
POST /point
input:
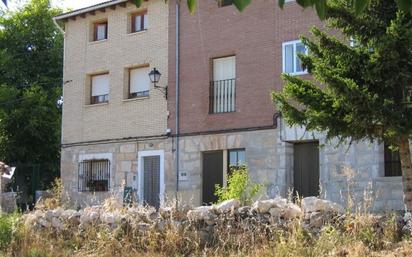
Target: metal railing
[(222, 96), (94, 176)]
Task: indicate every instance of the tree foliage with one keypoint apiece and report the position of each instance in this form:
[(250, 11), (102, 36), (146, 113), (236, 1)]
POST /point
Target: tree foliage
[(359, 89), (31, 58), (238, 186)]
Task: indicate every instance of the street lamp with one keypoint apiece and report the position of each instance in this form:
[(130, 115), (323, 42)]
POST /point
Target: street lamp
[(154, 76)]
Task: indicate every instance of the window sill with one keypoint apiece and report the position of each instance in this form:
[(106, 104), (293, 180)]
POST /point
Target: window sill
[(99, 104), (137, 32), (220, 113), (135, 99), (297, 73), (97, 42), (389, 179)]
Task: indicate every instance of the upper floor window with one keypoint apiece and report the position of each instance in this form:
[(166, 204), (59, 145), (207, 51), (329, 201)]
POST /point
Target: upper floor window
[(139, 82), (222, 87), (100, 31), (222, 3), (139, 21), (291, 61), (94, 175), (392, 162), (99, 88)]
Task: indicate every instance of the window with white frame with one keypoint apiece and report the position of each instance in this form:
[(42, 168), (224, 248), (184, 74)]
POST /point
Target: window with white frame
[(291, 61), (139, 82), (99, 88)]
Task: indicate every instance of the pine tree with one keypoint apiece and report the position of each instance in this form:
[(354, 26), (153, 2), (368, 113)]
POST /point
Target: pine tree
[(359, 90)]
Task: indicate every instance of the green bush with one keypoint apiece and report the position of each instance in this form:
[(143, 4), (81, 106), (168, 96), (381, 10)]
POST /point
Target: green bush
[(8, 224), (238, 186)]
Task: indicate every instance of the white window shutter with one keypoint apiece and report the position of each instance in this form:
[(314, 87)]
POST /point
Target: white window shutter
[(139, 80), (137, 23), (101, 31), (224, 68), (100, 85), (145, 21)]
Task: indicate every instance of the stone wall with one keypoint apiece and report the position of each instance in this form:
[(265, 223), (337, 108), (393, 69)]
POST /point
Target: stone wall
[(351, 175), (349, 172), (124, 166), (261, 157)]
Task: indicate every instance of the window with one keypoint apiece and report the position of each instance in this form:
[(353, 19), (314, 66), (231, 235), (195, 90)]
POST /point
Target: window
[(392, 162), (94, 175), (100, 31), (222, 88), (139, 82), (99, 88), (236, 158), (222, 3), (291, 62), (139, 21)]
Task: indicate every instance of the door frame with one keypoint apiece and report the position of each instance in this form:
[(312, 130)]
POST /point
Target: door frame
[(140, 173), (300, 142)]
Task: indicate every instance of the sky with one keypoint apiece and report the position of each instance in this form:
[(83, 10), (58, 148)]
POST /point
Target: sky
[(65, 4)]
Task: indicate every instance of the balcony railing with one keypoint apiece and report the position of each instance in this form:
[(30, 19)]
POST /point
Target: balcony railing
[(222, 96)]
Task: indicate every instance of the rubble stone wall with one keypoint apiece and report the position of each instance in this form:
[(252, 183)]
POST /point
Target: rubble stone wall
[(124, 160)]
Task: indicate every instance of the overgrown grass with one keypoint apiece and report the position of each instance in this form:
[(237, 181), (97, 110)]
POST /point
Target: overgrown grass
[(353, 235), (8, 225)]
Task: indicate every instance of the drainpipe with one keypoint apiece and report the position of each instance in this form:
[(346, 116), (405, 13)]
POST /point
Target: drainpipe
[(177, 96)]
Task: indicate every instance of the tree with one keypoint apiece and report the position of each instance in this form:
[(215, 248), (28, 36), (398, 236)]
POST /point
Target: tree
[(358, 91), (31, 65)]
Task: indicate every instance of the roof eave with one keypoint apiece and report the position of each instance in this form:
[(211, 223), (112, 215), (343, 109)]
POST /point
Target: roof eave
[(85, 10)]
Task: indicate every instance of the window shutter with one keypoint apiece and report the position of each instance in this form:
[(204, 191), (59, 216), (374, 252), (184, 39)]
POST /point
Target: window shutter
[(288, 58), (145, 21), (100, 85), (139, 80), (137, 23), (101, 31), (224, 68)]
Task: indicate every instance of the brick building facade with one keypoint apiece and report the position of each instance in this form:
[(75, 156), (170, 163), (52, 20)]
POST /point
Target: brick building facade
[(110, 121), (230, 62), (258, 42)]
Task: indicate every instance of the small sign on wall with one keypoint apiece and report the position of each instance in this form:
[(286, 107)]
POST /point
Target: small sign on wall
[(183, 176)]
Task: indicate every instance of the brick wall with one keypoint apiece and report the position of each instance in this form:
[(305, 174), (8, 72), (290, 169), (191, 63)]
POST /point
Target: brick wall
[(119, 118), (255, 36)]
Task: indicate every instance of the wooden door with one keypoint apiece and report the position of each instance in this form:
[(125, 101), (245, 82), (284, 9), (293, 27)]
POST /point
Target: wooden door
[(151, 180), (212, 175), (306, 168)]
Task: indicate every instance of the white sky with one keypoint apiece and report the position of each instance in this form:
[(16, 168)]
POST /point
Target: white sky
[(65, 4)]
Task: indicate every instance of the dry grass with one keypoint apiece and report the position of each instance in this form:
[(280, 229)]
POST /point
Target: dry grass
[(359, 234), (353, 235)]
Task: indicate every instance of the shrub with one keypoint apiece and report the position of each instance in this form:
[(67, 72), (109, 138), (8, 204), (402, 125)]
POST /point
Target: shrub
[(238, 186), (8, 224)]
